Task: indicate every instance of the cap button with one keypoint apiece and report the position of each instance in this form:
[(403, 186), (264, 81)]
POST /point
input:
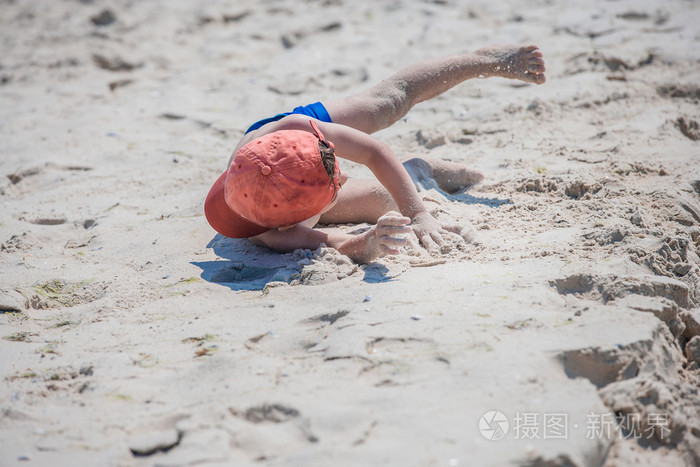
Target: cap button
[(266, 170)]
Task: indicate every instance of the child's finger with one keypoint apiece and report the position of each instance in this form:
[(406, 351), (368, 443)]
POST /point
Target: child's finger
[(437, 238), (393, 230), (429, 243), (454, 228), (414, 242), (392, 242), (390, 245), (460, 232), (387, 219), (392, 213), (389, 251)]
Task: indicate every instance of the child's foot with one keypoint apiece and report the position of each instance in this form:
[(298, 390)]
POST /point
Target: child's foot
[(449, 176), (516, 62)]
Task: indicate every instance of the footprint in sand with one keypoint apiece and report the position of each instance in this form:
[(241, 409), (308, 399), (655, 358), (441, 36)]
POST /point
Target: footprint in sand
[(19, 242), (58, 293), (32, 179), (689, 127), (288, 418)]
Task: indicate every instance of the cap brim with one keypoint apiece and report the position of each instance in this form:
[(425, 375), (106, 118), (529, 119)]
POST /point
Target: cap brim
[(225, 220)]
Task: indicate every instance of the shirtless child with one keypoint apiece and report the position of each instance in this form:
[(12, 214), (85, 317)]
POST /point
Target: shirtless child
[(284, 178)]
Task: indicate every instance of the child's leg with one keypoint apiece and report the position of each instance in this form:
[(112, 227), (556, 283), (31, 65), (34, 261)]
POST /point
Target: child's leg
[(366, 200), (448, 176), (384, 104), (360, 200)]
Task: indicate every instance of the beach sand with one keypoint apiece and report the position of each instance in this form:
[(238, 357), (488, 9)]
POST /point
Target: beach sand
[(565, 332)]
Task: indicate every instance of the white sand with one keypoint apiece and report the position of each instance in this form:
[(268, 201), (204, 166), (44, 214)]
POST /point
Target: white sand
[(129, 327)]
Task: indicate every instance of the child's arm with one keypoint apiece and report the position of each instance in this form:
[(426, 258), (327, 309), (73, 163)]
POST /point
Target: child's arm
[(379, 240), (360, 147)]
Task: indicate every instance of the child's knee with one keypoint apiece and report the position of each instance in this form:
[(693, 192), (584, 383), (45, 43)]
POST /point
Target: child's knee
[(383, 198)]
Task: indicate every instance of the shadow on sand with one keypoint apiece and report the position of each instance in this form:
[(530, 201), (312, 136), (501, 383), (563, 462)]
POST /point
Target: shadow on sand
[(244, 266)]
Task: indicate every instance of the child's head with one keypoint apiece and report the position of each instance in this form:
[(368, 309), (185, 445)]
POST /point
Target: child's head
[(278, 180)]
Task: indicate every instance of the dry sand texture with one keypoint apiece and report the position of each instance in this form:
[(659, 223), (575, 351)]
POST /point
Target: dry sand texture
[(132, 335)]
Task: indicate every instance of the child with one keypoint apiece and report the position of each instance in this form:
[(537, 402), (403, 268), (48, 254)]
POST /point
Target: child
[(283, 177)]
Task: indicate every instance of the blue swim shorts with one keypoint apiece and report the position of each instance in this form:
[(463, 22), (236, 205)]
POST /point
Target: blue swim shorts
[(315, 110)]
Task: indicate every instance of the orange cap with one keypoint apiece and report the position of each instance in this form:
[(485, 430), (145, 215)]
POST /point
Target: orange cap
[(274, 181)]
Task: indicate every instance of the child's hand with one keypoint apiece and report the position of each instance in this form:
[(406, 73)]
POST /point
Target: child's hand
[(430, 232), (387, 231)]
